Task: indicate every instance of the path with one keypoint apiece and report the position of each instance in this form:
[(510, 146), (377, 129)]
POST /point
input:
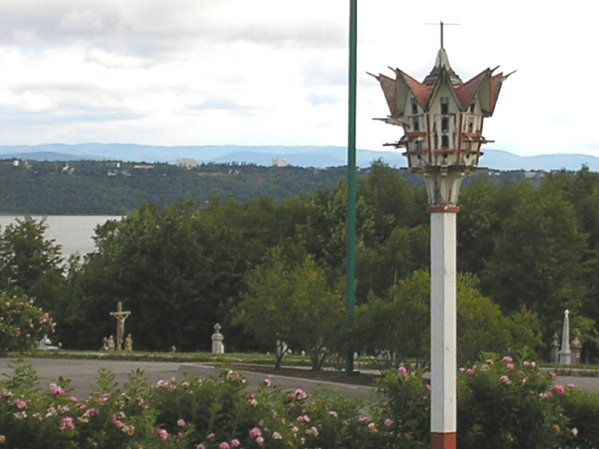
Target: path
[(83, 374)]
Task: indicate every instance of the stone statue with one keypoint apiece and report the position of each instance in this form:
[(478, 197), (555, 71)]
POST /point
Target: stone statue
[(554, 355), (104, 344), (217, 341), (129, 343), (110, 343), (120, 316)]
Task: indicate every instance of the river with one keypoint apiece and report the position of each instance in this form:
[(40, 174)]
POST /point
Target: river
[(72, 232)]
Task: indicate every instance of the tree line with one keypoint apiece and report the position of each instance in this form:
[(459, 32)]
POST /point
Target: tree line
[(117, 188), (271, 271)]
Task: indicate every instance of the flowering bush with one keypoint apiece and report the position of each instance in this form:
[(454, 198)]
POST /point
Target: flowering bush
[(219, 413), (501, 404), (22, 324)]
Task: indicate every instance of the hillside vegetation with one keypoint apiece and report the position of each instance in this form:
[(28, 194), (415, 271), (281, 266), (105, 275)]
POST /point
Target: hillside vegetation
[(116, 188)]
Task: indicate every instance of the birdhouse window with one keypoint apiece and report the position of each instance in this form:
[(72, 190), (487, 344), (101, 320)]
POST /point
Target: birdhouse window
[(444, 124), (444, 141), (470, 126), (444, 105), (416, 124), (472, 108), (414, 107)]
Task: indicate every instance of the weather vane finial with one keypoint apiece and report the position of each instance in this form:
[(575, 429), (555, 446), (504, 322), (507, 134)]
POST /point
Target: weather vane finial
[(441, 25)]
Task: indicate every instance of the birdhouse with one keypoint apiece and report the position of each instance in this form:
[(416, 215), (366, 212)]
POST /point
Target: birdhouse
[(442, 117)]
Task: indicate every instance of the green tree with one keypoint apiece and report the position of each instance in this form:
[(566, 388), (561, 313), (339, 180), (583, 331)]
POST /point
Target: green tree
[(399, 327), (293, 303), (387, 201), (479, 223), (32, 265), (538, 260)]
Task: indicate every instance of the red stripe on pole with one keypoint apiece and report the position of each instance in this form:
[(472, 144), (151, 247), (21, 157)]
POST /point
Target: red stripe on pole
[(449, 209), (444, 440)]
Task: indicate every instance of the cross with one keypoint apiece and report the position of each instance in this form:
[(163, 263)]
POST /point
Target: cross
[(441, 25), (120, 316)]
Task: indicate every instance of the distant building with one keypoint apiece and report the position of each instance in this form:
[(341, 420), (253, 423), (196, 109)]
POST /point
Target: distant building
[(143, 167), (187, 163), (113, 164), (68, 170), (279, 162)]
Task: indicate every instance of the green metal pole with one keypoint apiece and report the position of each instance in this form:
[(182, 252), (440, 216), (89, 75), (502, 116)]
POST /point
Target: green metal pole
[(351, 187)]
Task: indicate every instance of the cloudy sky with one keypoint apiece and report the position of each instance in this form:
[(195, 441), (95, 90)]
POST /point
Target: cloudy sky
[(196, 72)]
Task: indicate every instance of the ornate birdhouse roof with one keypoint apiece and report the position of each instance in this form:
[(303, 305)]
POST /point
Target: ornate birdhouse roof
[(397, 91)]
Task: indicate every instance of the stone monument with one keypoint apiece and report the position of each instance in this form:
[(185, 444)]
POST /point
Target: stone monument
[(565, 355), (576, 348), (217, 341), (554, 355), (120, 315), (45, 344)]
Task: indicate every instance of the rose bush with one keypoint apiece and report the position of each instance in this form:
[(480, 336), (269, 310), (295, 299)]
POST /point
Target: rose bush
[(218, 413), (502, 403), (22, 323)]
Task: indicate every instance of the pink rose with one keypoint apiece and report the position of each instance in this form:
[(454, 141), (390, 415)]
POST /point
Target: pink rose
[(505, 380), (300, 394), (559, 389), (67, 423), (162, 434)]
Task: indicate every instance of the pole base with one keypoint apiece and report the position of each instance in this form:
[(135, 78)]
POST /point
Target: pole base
[(444, 440)]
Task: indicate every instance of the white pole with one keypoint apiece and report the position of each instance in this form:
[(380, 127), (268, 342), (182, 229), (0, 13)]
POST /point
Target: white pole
[(443, 329)]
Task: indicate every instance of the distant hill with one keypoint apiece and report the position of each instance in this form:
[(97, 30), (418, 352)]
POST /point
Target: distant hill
[(298, 156)]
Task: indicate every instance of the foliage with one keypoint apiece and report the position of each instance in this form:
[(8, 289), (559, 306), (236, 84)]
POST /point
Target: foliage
[(538, 259), (405, 399), (501, 404), (192, 413), (292, 304), (398, 328), (30, 263), (99, 188), (180, 267), (22, 323)]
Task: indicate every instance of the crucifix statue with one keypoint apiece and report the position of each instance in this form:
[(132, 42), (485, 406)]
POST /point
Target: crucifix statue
[(120, 315)]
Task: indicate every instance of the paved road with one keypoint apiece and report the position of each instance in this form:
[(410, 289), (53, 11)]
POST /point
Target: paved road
[(83, 375)]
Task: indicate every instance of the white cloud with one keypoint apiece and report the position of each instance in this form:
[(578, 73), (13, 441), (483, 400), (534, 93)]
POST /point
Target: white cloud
[(274, 72)]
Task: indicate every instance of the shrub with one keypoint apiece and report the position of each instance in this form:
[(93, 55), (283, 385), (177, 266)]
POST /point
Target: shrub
[(22, 324), (501, 404), (218, 413)]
